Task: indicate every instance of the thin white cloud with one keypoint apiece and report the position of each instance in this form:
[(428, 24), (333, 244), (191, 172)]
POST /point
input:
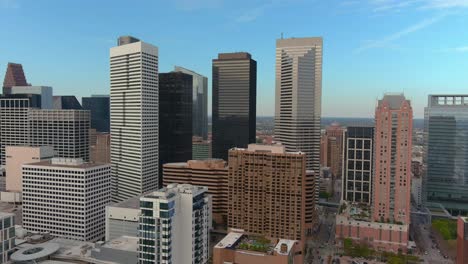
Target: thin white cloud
[(444, 4), (398, 5), (387, 41)]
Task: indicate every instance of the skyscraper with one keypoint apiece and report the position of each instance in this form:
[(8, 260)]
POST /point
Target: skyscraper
[(14, 76), (200, 102), (66, 102), (358, 162), (268, 194), (384, 222), (446, 126), (174, 225), (393, 149), (66, 197), (99, 105), (175, 117), (23, 123), (134, 118), (299, 96), (14, 120), (298, 102), (234, 102), (335, 148)]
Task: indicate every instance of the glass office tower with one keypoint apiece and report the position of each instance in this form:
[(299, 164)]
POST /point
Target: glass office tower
[(446, 127), (99, 105)]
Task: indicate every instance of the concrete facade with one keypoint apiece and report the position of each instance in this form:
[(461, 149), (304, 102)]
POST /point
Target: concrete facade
[(134, 118), (16, 157), (7, 237), (122, 219), (66, 197), (44, 91), (174, 225)]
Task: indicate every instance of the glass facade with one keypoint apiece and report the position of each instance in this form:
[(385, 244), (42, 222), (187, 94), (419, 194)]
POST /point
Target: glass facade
[(200, 103), (175, 118), (358, 164), (99, 106), (234, 102), (446, 129)]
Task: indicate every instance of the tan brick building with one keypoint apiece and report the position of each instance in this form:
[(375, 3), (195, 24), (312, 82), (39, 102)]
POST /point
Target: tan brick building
[(100, 151), (209, 173), (267, 192)]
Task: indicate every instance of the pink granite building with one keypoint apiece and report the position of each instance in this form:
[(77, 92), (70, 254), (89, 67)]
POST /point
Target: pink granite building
[(385, 224), (462, 240), (392, 169)]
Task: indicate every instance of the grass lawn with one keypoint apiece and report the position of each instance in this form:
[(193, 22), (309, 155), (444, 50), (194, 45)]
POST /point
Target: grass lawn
[(363, 251), (447, 228)]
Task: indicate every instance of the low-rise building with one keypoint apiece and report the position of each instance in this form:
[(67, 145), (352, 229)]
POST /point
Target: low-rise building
[(122, 219), (462, 240), (66, 197), (16, 156), (236, 247), (354, 222), (212, 173)]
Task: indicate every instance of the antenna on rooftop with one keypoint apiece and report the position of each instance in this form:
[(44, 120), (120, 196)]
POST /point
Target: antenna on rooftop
[(281, 35)]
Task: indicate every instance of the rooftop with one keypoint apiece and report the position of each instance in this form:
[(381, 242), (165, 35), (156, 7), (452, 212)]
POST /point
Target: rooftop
[(236, 240), (268, 148), (356, 211), (394, 100), (199, 164), (172, 189), (125, 243), (229, 240), (133, 203), (67, 163), (234, 56)]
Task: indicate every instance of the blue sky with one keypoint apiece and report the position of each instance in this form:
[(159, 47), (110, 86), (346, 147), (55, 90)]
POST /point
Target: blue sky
[(370, 46)]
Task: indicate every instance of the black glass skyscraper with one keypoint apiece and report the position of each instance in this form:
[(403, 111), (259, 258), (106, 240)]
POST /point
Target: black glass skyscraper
[(175, 118), (234, 102), (100, 111)]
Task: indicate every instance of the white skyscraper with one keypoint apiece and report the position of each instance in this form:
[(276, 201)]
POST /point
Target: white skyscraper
[(134, 118), (66, 197), (298, 105), (174, 225)]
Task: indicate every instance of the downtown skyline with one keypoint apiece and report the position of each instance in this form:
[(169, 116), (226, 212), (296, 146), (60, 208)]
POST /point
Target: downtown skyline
[(363, 53)]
